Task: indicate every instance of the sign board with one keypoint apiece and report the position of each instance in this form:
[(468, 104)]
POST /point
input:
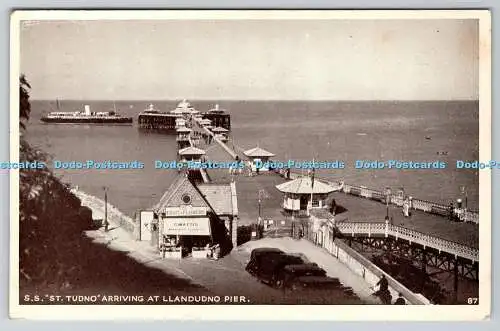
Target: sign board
[(199, 226), (186, 210), (146, 217)]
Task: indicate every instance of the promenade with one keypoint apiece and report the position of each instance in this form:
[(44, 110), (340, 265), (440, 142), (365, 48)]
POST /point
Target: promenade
[(226, 277)]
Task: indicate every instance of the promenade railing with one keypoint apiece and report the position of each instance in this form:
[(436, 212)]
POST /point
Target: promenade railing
[(385, 229), (464, 215)]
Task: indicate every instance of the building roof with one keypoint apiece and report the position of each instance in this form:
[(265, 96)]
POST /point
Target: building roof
[(219, 129), (302, 185), (257, 151), (173, 195), (219, 196), (184, 104), (217, 109), (191, 151)]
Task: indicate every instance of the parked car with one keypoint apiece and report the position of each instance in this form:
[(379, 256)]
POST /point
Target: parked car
[(257, 254), (270, 267), (291, 272), (310, 282), (319, 290)]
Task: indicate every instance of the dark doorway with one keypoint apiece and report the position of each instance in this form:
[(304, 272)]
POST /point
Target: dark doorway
[(303, 203)]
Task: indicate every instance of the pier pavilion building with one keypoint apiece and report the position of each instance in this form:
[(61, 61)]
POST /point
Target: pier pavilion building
[(303, 194), (190, 154), (183, 138), (205, 122), (218, 117), (184, 108), (256, 155), (221, 133)]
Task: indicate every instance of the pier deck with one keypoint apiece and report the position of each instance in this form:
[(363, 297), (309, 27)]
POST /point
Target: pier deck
[(364, 210), (358, 209)]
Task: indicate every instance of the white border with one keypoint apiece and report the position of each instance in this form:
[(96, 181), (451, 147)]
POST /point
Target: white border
[(257, 312)]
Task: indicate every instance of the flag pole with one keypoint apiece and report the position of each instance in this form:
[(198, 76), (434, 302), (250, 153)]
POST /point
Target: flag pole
[(312, 183)]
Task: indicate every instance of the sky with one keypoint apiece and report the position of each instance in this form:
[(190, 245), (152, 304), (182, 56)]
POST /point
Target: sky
[(327, 59)]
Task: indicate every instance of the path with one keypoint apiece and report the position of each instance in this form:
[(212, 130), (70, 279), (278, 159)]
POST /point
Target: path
[(226, 277)]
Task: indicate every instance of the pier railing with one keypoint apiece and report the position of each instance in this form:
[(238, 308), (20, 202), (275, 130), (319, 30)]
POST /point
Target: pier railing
[(416, 204), (384, 229), (394, 199), (217, 140)]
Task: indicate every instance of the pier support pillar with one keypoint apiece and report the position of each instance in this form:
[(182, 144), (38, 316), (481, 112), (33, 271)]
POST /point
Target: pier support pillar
[(423, 267), (455, 280)]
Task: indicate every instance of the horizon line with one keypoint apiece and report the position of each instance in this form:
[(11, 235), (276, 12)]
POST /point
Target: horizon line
[(263, 100)]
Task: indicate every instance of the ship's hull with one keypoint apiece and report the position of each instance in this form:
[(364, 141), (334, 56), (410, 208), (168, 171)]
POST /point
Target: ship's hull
[(121, 120)]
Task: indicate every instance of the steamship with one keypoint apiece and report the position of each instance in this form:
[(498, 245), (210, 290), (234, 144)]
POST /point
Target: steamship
[(86, 117), (153, 119)]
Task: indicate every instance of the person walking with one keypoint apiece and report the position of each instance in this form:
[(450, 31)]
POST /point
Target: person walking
[(451, 212), (406, 208), (383, 291), (383, 284)]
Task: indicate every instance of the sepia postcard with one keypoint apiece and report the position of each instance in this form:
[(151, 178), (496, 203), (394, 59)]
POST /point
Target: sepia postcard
[(251, 165)]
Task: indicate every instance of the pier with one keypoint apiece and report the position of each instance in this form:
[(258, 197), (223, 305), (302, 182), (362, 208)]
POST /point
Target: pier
[(430, 236), (428, 220), (438, 238)]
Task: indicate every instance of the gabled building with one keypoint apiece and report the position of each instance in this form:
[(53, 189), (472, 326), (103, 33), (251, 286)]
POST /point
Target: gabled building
[(192, 216)]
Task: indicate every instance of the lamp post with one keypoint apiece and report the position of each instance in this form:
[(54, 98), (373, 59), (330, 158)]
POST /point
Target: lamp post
[(463, 190), (105, 208), (259, 200), (387, 197)]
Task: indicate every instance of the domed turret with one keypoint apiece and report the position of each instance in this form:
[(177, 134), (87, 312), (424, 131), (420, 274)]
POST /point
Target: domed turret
[(184, 104)]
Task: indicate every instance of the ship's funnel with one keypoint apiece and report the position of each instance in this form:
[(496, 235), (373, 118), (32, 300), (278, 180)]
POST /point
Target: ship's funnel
[(87, 110)]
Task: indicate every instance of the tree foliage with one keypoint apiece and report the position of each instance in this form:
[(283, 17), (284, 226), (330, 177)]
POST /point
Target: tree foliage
[(24, 102), (45, 206)]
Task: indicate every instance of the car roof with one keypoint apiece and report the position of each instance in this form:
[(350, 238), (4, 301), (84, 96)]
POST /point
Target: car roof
[(277, 259), (318, 280), (305, 266), (266, 249)]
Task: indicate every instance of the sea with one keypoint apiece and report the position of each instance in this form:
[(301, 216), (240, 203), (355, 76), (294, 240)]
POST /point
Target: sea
[(293, 130)]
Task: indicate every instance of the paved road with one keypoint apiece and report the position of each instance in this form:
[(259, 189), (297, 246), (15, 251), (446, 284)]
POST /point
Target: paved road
[(226, 277)]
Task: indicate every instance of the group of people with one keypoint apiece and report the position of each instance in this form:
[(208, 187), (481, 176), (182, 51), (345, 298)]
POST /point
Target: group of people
[(385, 295)]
